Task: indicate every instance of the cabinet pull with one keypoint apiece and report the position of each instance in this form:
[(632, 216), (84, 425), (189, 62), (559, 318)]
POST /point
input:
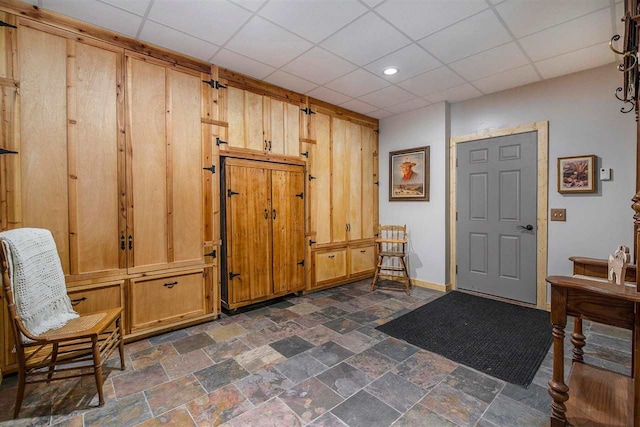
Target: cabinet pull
[(269, 145), (232, 275), (75, 302), (170, 284), (274, 214), (266, 214), (122, 243), (265, 145), (130, 242), (331, 256), (362, 251)]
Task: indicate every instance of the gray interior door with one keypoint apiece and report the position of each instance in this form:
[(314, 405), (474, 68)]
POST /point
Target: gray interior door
[(496, 197)]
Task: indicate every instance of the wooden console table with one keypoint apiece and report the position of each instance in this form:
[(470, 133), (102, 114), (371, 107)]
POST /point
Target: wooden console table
[(592, 396)]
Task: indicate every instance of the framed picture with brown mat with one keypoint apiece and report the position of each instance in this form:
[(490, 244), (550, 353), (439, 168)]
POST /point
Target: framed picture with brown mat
[(577, 174), (409, 175)]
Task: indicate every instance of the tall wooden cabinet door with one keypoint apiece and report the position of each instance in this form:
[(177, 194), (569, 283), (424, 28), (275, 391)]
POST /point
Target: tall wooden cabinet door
[(147, 166), (292, 130), (277, 129), (248, 233), (287, 193), (354, 220), (235, 116), (184, 145), (96, 164), (43, 200), (320, 191), (254, 121), (340, 170), (369, 177)]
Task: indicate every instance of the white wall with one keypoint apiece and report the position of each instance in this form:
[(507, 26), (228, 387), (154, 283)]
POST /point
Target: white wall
[(426, 221), (584, 118)]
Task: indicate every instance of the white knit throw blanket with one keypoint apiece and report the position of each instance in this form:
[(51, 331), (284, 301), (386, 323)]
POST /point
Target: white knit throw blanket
[(37, 280)]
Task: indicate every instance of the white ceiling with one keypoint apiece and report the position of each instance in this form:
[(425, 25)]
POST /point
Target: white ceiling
[(335, 50)]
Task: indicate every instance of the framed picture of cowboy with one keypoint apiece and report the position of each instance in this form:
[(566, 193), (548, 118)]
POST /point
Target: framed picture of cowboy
[(409, 175)]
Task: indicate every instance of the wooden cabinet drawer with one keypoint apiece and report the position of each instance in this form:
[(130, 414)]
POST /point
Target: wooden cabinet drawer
[(158, 301), (330, 266), (362, 259), (89, 299)]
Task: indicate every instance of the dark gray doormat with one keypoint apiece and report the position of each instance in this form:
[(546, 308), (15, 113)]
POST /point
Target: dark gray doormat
[(504, 340)]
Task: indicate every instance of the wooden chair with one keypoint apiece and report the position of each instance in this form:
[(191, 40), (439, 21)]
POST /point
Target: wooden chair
[(392, 245), (59, 354)]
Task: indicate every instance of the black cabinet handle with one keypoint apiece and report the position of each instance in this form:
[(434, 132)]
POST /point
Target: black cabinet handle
[(75, 302), (122, 243), (265, 145), (274, 214), (269, 145), (331, 256), (266, 214), (170, 285), (130, 242), (362, 251), (232, 275)]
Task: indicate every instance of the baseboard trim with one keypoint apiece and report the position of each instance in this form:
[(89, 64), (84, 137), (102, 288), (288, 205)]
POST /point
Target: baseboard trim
[(427, 285)]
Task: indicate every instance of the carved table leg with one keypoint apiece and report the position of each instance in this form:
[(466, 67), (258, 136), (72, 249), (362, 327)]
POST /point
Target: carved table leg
[(558, 390), (578, 340)]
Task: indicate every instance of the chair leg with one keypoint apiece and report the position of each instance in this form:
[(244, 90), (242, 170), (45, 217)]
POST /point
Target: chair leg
[(20, 394), (375, 276), (54, 357), (407, 283), (121, 344), (97, 368)]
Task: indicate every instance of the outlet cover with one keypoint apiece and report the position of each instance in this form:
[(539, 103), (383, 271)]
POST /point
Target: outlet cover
[(558, 215)]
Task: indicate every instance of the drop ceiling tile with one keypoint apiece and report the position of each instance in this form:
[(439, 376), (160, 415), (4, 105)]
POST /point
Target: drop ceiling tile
[(231, 60), (475, 34), (358, 106), (319, 66), (490, 62), (455, 94), (527, 17), (177, 41), (582, 59), (411, 61), (97, 13), (252, 5), (577, 34), (380, 114), (507, 80), (432, 82), (388, 96), (365, 40), (139, 7), (268, 43), (414, 104), (313, 19), (211, 20), (328, 95), (357, 83), (291, 82), (421, 18)]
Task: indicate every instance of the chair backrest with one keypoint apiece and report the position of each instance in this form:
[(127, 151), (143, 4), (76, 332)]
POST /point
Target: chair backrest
[(392, 238), (33, 282), (617, 267)]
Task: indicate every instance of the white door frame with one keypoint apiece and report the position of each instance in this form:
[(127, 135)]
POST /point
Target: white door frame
[(542, 128)]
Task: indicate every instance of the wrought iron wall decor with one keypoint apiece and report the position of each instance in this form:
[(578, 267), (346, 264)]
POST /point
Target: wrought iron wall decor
[(628, 92)]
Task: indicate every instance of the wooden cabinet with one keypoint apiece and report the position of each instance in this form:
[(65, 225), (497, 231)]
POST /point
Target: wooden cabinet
[(362, 260), (262, 124), (264, 241), (91, 298), (156, 301), (330, 266)]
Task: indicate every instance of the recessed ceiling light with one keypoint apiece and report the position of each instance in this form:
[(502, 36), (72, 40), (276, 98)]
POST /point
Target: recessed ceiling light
[(389, 71)]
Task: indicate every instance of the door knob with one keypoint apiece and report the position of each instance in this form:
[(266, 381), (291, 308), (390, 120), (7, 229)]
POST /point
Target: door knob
[(526, 227)]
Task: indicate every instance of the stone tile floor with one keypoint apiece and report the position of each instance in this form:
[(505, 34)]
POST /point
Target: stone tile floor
[(312, 360)]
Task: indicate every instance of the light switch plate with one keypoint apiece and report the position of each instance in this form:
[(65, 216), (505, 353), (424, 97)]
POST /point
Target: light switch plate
[(558, 214)]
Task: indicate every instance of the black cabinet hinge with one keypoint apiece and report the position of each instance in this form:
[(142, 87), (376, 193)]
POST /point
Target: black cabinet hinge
[(212, 169), (307, 111), (306, 154), (232, 275), (231, 193), (377, 131), (300, 263), (311, 177), (311, 242), (301, 195), (212, 254), (4, 24), (214, 84), (377, 183), (219, 141)]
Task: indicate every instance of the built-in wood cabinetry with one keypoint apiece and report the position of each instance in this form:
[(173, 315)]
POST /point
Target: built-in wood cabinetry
[(264, 232)]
